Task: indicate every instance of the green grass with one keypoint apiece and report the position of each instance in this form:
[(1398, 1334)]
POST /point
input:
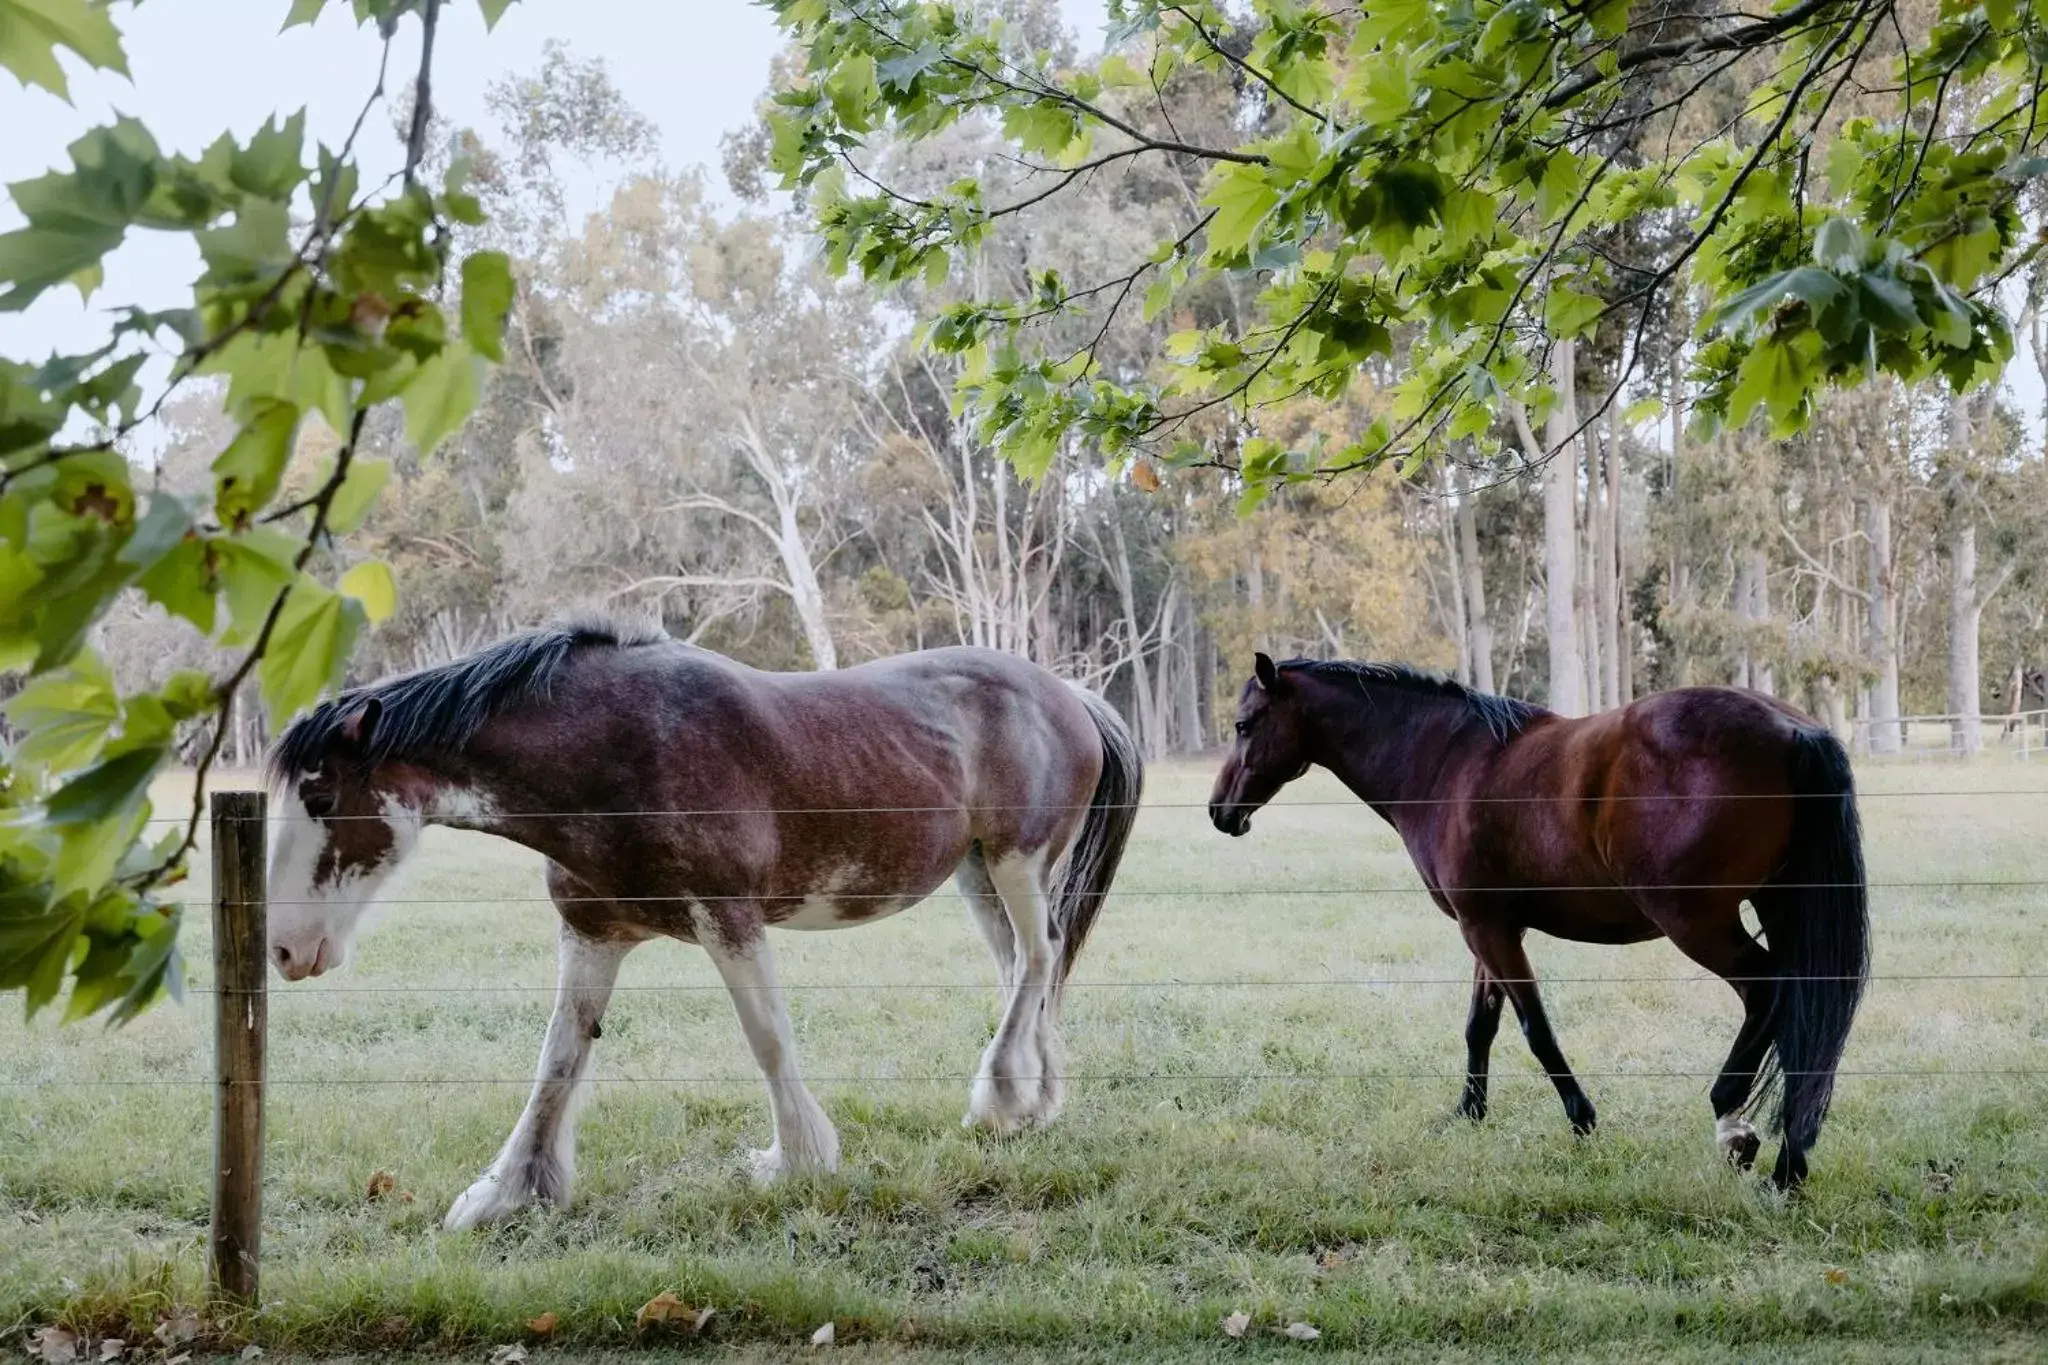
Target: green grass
[(1187, 1179)]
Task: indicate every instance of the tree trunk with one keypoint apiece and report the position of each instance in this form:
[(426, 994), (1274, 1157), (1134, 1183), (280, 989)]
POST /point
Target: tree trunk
[(1880, 634), (1742, 673), (1478, 622), (1561, 540), (1762, 675), (1460, 610), (1966, 730), (1607, 590)]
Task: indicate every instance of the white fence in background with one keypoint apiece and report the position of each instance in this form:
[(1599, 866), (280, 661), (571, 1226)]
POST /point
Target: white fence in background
[(2020, 735)]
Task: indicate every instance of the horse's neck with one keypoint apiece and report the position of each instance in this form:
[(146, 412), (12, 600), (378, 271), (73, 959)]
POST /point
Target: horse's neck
[(1395, 750)]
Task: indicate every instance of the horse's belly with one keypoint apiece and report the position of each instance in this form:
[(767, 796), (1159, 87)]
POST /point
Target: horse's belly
[(1592, 919), (828, 910)]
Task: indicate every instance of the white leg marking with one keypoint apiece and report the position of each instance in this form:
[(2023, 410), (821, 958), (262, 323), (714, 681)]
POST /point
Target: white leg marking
[(804, 1138), (1019, 1085), (538, 1161), (1736, 1137)]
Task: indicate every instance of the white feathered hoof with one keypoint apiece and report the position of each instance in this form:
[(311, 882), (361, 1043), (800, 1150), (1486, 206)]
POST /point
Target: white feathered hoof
[(489, 1200), (1738, 1141)]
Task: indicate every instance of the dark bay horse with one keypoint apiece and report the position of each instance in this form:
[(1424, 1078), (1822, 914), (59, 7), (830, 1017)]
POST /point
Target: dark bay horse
[(678, 794), (1657, 819)]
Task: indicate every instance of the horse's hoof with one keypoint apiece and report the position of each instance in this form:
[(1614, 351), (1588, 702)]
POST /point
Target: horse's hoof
[(993, 1109), (1583, 1119), (489, 1200), (1790, 1172), (1738, 1141)]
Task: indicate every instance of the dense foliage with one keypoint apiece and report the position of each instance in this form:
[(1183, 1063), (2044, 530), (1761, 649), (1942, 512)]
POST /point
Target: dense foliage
[(321, 299)]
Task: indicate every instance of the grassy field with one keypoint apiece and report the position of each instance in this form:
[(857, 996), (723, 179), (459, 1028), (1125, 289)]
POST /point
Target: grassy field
[(1190, 1178)]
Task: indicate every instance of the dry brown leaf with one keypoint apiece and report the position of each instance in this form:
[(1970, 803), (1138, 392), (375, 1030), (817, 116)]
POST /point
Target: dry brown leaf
[(825, 1335), (382, 1186), (661, 1309), (180, 1327), (1301, 1331), (544, 1325), (1836, 1275), (54, 1345), (513, 1354), (1145, 476), (1237, 1324)]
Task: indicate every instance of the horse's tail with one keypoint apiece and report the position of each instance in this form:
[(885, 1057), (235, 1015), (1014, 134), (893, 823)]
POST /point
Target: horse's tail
[(1099, 847), (1818, 925)]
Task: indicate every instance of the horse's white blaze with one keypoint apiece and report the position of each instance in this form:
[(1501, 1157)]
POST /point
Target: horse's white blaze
[(314, 923)]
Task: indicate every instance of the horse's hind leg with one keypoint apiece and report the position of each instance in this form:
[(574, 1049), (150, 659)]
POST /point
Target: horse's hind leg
[(1500, 952), (737, 944), (1711, 934), (985, 909), (538, 1161), (1020, 1083)]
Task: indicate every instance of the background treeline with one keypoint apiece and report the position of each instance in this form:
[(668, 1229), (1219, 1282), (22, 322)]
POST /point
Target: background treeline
[(698, 425)]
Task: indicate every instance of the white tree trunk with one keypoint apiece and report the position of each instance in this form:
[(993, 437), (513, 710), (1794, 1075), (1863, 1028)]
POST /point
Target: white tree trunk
[(1478, 623), (1965, 610), (1762, 676), (1560, 538), (1880, 632)]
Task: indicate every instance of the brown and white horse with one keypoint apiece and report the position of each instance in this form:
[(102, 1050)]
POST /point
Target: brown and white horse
[(1656, 820), (676, 793)]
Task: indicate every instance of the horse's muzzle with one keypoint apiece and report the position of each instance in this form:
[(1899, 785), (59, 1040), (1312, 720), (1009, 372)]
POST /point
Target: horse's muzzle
[(1235, 821)]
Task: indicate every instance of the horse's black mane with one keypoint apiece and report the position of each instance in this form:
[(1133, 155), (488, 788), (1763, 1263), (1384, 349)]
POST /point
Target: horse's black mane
[(441, 708), (1503, 716)]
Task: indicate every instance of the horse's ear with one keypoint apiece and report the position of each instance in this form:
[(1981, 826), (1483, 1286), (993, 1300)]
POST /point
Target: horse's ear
[(1264, 673), (358, 725)]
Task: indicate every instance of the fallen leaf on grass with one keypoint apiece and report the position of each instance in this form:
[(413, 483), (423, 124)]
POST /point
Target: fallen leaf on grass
[(181, 1358), (54, 1345), (825, 1335), (508, 1355), (1237, 1324), (1301, 1331), (666, 1310), (180, 1327), (382, 1186), (252, 1352), (544, 1325), (1836, 1275), (111, 1348)]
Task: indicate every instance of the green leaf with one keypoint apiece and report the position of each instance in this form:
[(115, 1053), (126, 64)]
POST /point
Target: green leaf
[(303, 12), (248, 472), (352, 502), (270, 167), (309, 650), (371, 584), (439, 400), (494, 10), (253, 249), (1242, 197), (1568, 314), (32, 30), (486, 300), (106, 790), (65, 715)]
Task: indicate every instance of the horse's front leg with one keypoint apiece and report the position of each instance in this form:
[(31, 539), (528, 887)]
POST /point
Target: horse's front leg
[(737, 942), (538, 1162), (1481, 1024)]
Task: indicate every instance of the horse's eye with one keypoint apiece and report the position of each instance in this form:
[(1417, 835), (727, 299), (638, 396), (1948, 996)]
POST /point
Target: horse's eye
[(1243, 729), (319, 805)]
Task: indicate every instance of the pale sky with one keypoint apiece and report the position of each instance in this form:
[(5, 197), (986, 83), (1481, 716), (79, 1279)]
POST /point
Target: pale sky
[(694, 67)]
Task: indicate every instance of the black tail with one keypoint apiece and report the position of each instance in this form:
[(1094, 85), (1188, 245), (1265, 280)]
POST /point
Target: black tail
[(1818, 924), (1099, 847)]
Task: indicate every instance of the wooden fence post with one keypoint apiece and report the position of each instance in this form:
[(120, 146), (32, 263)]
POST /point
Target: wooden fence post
[(241, 960)]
